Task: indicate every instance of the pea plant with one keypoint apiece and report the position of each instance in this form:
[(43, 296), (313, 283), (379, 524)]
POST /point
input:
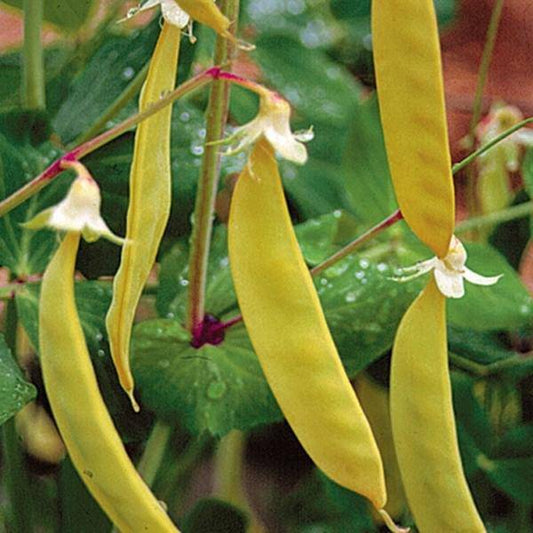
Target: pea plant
[(214, 321)]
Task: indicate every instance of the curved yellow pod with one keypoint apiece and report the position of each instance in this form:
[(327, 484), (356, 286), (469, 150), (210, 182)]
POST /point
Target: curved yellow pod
[(411, 99), (290, 336), (423, 424), (149, 203), (79, 410)]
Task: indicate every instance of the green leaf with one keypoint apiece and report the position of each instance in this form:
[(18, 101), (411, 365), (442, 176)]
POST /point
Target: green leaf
[(15, 391), (213, 388), (505, 305), (527, 172), (67, 15), (489, 350), (214, 516), (365, 165), (512, 476), (110, 70)]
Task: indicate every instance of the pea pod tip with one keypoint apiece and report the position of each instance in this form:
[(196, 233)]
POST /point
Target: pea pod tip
[(389, 522)]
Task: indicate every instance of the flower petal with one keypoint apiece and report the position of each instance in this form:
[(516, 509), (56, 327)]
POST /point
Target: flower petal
[(286, 145), (173, 13), (450, 283), (478, 279)]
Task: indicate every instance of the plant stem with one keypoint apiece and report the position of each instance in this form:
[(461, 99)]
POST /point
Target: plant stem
[(481, 370), (55, 168), (33, 63), (217, 112), (486, 57), (497, 217), (349, 248), (228, 469), (153, 453), (467, 160), (15, 473)]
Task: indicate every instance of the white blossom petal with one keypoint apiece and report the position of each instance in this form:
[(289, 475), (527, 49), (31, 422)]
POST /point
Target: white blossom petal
[(478, 279), (450, 271), (273, 121), (450, 283), (79, 211)]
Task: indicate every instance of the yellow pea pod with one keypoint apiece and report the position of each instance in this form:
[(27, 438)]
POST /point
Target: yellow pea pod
[(149, 204), (411, 99), (376, 406), (423, 424), (79, 410), (206, 12), (290, 336)]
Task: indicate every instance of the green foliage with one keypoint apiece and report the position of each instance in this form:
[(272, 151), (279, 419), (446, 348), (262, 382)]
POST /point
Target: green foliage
[(214, 516), (68, 16), (15, 391)]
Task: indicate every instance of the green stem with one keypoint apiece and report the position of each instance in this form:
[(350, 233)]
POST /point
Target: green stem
[(15, 473), (127, 94), (467, 160), (486, 57), (228, 469), (352, 246), (481, 370), (54, 169), (217, 112), (33, 64), (491, 219), (153, 453)]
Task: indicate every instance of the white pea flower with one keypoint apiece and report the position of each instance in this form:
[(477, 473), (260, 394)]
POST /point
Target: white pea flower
[(79, 211), (170, 10), (449, 272), (272, 121)]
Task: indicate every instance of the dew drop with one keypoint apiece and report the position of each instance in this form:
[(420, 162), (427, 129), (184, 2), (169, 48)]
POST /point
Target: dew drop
[(128, 73)]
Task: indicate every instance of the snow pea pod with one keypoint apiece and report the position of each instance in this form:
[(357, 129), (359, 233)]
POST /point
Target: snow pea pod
[(79, 410), (411, 100), (286, 324), (149, 204), (423, 423)]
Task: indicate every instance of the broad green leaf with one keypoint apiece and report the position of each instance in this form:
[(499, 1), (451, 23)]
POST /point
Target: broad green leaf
[(214, 516), (213, 388), (15, 391), (106, 75), (367, 177), (67, 15), (24, 251), (505, 305)]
